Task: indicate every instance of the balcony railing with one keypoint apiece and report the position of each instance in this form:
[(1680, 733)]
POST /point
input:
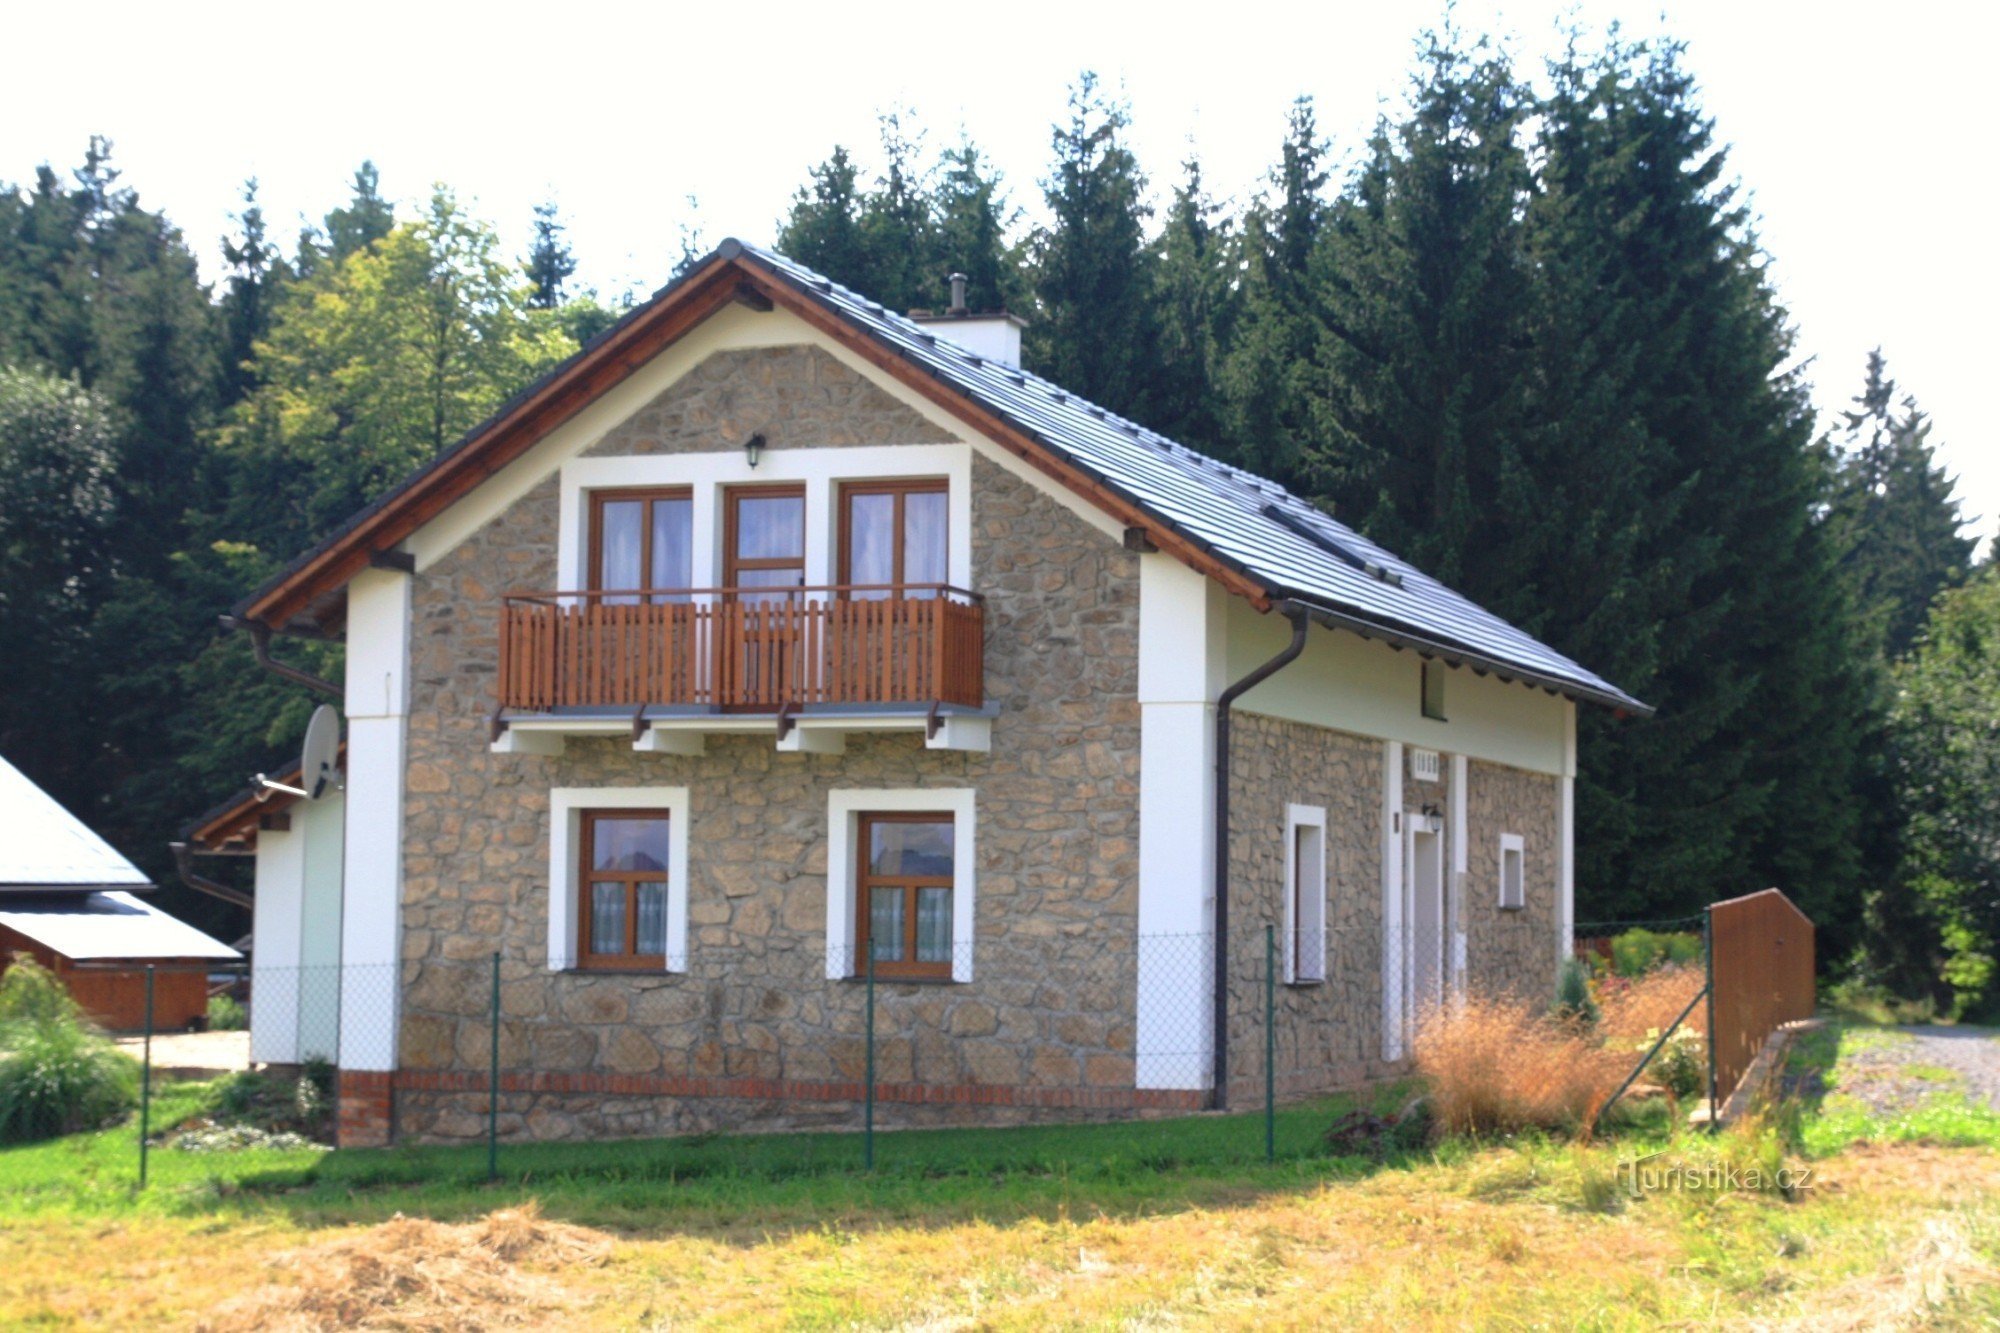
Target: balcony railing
[(748, 649)]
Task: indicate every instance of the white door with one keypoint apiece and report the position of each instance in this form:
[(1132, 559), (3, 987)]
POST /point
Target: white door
[(1424, 968)]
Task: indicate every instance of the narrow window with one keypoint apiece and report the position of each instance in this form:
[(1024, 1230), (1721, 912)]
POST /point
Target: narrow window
[(1513, 878), (892, 535), (764, 541), (1308, 936), (641, 545), (905, 888), (1433, 689), (622, 912)]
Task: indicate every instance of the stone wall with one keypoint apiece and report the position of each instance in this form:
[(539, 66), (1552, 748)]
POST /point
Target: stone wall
[(1051, 1008), (1329, 1035), (1513, 951)]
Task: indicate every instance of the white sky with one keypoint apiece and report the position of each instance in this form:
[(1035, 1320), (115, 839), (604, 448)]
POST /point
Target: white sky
[(1854, 127)]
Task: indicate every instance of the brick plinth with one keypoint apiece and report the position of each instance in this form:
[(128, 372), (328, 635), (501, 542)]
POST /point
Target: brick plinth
[(366, 1103)]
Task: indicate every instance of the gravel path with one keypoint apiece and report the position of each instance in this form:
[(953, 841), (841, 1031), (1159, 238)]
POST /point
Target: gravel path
[(1893, 1069)]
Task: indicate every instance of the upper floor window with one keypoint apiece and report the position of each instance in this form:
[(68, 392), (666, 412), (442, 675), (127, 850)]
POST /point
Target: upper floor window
[(893, 533), (764, 538), (641, 542), (1432, 689), (622, 912)]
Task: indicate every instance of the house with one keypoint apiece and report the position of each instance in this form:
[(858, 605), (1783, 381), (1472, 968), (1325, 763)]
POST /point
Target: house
[(773, 632), (68, 901)]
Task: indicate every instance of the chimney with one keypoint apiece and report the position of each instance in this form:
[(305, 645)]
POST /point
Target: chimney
[(994, 334)]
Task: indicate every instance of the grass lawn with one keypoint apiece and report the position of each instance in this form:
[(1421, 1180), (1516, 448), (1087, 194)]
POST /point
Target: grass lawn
[(1158, 1224)]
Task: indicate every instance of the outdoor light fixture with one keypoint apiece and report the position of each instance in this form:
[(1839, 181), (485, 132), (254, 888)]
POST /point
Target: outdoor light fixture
[(753, 449)]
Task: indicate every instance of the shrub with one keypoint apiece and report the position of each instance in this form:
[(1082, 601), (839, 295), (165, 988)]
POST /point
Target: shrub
[(58, 1074), (1498, 1066), (225, 1014), (1631, 1009), (270, 1104), (1639, 950), (1573, 998)]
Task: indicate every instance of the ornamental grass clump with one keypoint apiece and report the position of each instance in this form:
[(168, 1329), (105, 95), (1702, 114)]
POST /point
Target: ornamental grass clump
[(58, 1073), (1500, 1066)]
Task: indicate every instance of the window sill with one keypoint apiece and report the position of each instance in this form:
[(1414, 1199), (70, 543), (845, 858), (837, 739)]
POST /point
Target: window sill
[(1308, 983), (881, 980), (578, 970)]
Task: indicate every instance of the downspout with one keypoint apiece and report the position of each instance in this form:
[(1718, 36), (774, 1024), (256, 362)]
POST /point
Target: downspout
[(260, 643), (184, 863), (1224, 702)]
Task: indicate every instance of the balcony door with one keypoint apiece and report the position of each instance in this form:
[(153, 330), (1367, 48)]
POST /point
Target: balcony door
[(763, 565), (892, 534)]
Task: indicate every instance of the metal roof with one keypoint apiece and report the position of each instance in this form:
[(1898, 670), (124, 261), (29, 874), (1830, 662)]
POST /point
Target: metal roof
[(1288, 544), (43, 846), (107, 925)]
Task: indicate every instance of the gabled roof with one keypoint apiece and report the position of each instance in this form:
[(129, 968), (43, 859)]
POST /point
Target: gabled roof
[(107, 925), (1258, 539), (46, 848)]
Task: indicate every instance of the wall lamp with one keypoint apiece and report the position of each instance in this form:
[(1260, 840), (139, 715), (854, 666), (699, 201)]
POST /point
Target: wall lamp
[(753, 449)]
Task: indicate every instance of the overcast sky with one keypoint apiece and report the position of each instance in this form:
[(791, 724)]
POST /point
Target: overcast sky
[(1855, 128)]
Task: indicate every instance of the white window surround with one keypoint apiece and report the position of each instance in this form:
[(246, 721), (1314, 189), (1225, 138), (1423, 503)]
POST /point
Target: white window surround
[(566, 809), (844, 807), (1514, 881), (821, 471), (1305, 940)]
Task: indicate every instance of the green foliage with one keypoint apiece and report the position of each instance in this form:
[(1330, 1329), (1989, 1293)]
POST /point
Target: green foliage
[(302, 1104), (374, 363), (550, 262), (1681, 1067), (1638, 951), (226, 1014), (1939, 919), (1573, 998), (1094, 280), (58, 1075)]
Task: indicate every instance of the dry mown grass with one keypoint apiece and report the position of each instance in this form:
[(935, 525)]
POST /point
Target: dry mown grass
[(414, 1274)]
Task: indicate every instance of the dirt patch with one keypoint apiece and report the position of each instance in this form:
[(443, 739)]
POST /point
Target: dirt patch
[(413, 1274), (192, 1054)]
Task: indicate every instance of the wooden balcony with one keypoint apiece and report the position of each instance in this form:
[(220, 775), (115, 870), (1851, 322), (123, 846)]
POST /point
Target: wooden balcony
[(743, 649)]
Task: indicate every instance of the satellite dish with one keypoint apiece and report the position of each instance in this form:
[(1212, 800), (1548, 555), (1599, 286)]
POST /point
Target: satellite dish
[(319, 758)]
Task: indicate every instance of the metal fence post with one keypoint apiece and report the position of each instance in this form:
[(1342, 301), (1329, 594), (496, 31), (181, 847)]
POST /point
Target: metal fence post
[(1270, 1042), (146, 1081), (1708, 968), (868, 1096), (493, 1083)]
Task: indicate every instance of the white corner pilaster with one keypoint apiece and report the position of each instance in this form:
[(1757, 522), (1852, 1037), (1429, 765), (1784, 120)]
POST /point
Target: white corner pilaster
[(1394, 953), (1460, 865), (1566, 841), (377, 698), (1181, 662)]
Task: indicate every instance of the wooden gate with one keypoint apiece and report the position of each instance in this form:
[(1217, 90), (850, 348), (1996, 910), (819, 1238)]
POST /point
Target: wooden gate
[(1761, 956)]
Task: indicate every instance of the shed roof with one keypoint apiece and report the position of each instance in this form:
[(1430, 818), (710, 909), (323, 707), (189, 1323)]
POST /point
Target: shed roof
[(1249, 532), (92, 926), (46, 847)]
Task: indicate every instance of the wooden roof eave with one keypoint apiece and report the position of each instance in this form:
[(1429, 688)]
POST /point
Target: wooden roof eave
[(312, 594)]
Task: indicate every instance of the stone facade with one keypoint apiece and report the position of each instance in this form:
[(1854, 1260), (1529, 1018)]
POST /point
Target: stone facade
[(754, 1033)]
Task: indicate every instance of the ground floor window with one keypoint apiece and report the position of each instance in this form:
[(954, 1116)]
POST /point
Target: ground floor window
[(905, 877), (623, 912), (1306, 892)]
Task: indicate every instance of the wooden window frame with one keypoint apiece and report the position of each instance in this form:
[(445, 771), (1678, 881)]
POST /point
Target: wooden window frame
[(617, 494), (899, 488), (588, 874), (866, 882), (732, 565)]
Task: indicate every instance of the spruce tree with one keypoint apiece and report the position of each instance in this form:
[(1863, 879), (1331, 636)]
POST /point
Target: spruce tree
[(1899, 526), (898, 230), (1197, 301), (255, 270), (1096, 328), (1421, 369), (972, 220), (823, 229), (549, 263), (1265, 376)]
